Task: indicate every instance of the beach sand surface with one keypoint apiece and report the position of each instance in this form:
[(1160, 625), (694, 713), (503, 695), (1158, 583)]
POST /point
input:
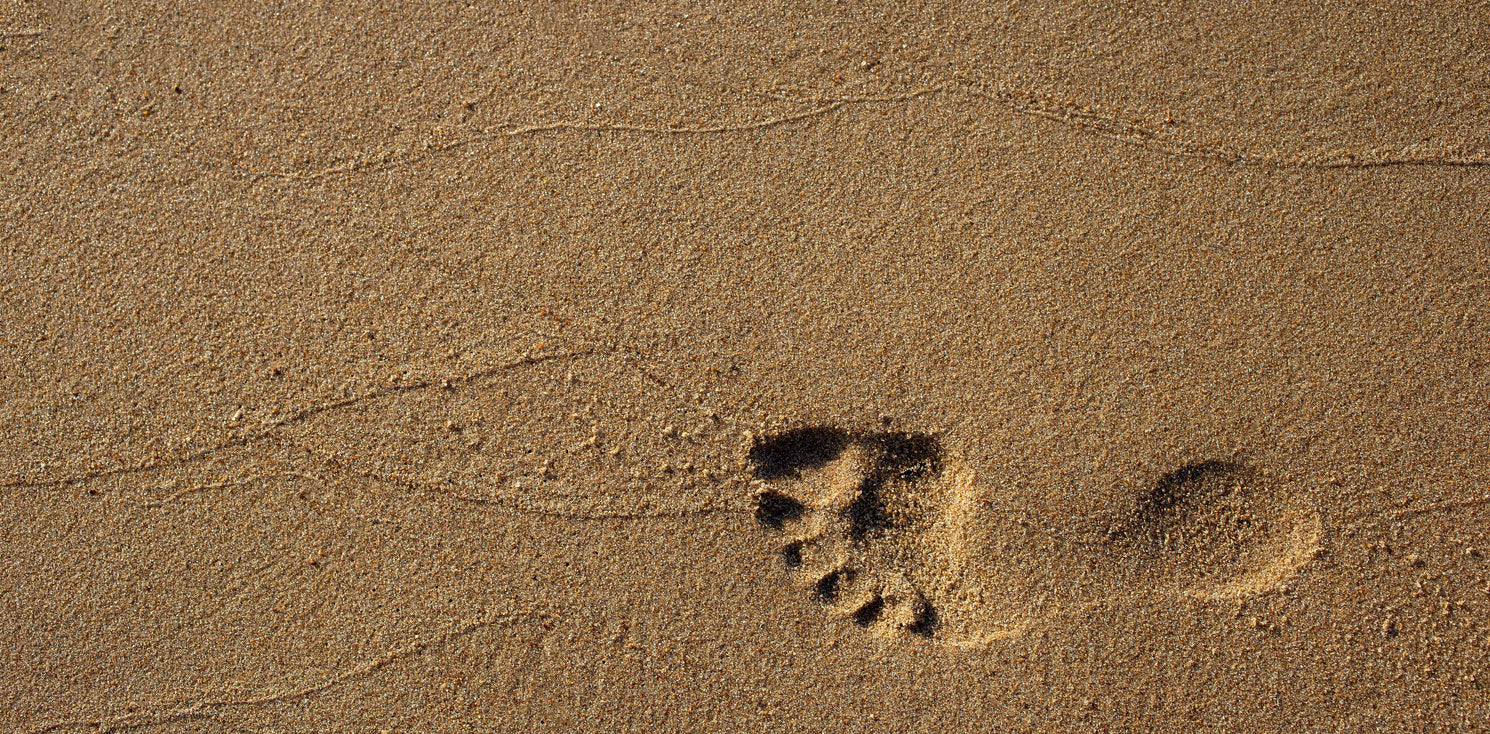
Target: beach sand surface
[(825, 367)]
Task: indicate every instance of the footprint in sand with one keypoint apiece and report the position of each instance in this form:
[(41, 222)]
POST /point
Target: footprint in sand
[(893, 534)]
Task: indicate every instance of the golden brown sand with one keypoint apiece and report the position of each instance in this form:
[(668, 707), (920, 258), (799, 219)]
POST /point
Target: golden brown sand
[(637, 367)]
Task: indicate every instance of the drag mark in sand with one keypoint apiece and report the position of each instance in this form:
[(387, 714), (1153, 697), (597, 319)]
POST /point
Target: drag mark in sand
[(210, 708)]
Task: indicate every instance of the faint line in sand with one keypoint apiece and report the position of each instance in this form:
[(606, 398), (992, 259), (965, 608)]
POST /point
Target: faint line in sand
[(1125, 128), (210, 707), (298, 416), (1381, 517), (225, 484), (1093, 119), (461, 492), (393, 159), (447, 489)]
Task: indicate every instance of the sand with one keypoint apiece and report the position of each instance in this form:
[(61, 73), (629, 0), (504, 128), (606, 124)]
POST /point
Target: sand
[(646, 367)]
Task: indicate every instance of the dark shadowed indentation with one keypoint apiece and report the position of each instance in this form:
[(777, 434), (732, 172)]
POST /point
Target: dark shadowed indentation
[(773, 509), (826, 587), (791, 555), (910, 455), (867, 614), (866, 513), (788, 453), (926, 622), (869, 501), (1180, 493)]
